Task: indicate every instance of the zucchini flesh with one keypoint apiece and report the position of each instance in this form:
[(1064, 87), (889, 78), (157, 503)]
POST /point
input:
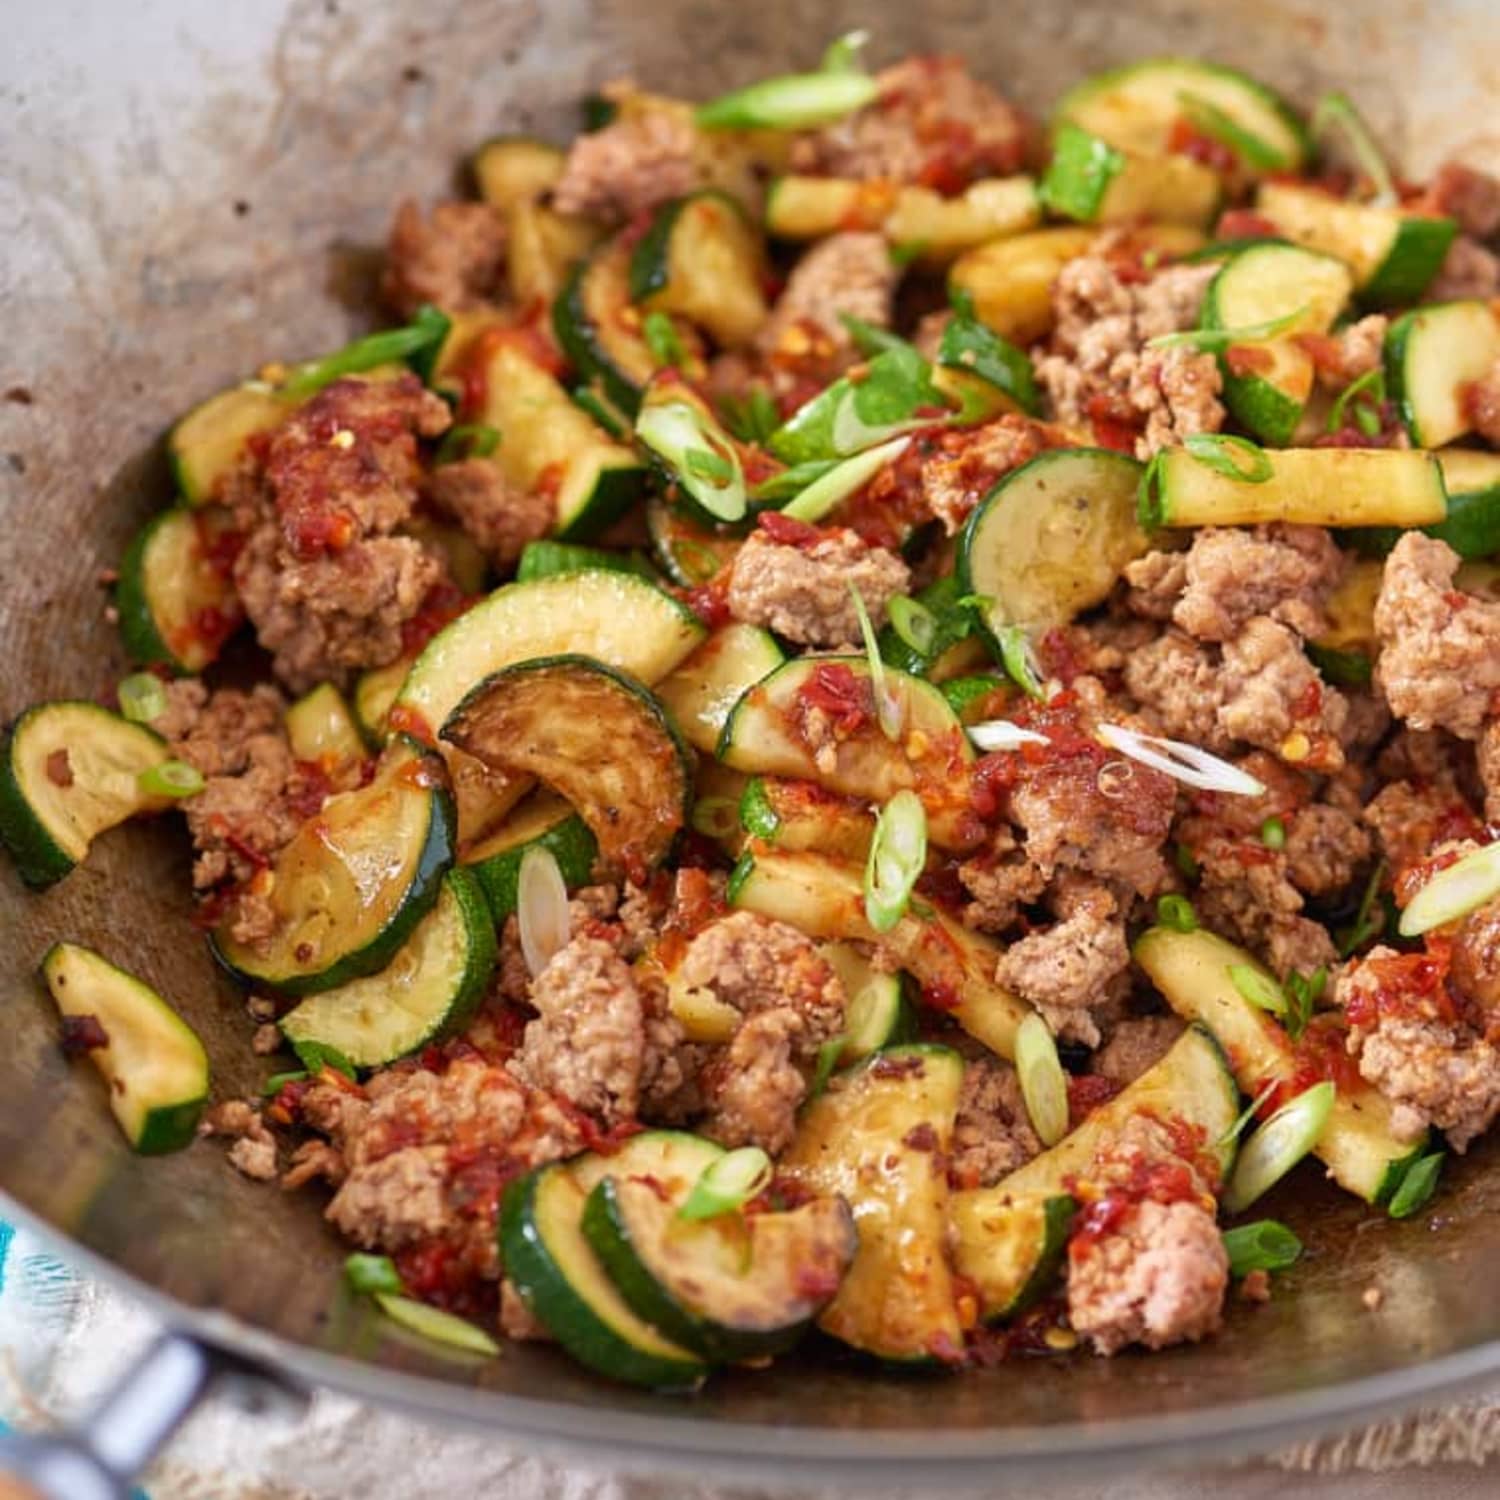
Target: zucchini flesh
[(1191, 969), (878, 1137), (154, 1067), (546, 1255), (1052, 538), (1138, 107), (462, 556), (878, 1014), (1011, 280), (321, 728), (541, 248), (686, 550), (737, 1286), (702, 259), (1431, 355), (175, 597), (825, 899), (760, 737), (1393, 255), (375, 692), (599, 330), (1311, 486), (595, 735), (70, 771), (936, 228), (701, 693), (428, 991), (354, 881), (1259, 284), (1010, 1237), (796, 815), (619, 619), (544, 821), (548, 442), (1096, 183), (207, 443), (513, 169)]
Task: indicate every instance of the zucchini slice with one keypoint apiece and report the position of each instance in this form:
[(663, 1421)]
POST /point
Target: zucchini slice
[(70, 771), (1191, 969), (1010, 1237), (1011, 280), (546, 1255), (934, 227), (593, 734), (703, 260), (1311, 486), (541, 248), (375, 692), (1139, 106), (1393, 255), (547, 442), (354, 881), (206, 443), (1096, 183), (1431, 355), (739, 1286), (511, 169), (701, 693), (322, 729), (598, 328), (760, 737), (1349, 646), (878, 1138), (545, 559), (688, 552), (824, 898), (878, 1014), (428, 991), (621, 620), (796, 815), (544, 820), (1259, 284), (176, 596), (1052, 538), (154, 1067)]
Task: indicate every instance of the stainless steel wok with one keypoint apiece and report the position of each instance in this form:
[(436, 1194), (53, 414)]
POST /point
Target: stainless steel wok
[(189, 189)]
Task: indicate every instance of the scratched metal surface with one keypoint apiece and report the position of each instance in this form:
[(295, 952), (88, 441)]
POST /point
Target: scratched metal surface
[(187, 190)]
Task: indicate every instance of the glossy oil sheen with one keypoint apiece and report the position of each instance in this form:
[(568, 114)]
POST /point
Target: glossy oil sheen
[(190, 190)]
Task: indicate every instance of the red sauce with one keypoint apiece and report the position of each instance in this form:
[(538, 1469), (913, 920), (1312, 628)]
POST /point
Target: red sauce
[(404, 720), (787, 531), (530, 337), (1060, 657), (941, 995), (1086, 1092), (1309, 702), (308, 790), (1320, 1054), (1163, 1180), (1244, 224), (847, 699), (1248, 359), (1185, 139), (1025, 1336), (1115, 425), (710, 601), (1403, 984)]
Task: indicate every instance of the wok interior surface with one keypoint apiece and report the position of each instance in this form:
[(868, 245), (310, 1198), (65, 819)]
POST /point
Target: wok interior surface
[(190, 191)]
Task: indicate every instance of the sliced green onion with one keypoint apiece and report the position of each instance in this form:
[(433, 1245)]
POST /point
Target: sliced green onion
[(172, 778), (1002, 734), (426, 331), (278, 1081), (1369, 387), (843, 54), (541, 908), (913, 622), (675, 430), (1216, 340), (716, 817), (790, 483), (1273, 833), (756, 413), (1278, 1146), (142, 697), (727, 1184), (373, 1273), (904, 254), (1303, 991), (1223, 454), (1368, 922), (1018, 657), (744, 868), (1247, 1114), (890, 706), (704, 463), (1335, 114), (1177, 913), (796, 101), (316, 1056), (660, 334), (843, 480), (1044, 1085), (1149, 509), (871, 339), (467, 440), (700, 563), (1265, 1245), (898, 852), (1187, 763), (852, 434), (435, 1324), (1367, 421), (1224, 128), (829, 1055), (1258, 988), (1417, 1186), (1186, 862), (601, 409), (1454, 892), (969, 345)]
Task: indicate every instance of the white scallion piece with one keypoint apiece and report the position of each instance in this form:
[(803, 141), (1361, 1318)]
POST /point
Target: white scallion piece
[(1186, 763)]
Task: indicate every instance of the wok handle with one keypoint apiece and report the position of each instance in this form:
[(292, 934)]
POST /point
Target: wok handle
[(127, 1427)]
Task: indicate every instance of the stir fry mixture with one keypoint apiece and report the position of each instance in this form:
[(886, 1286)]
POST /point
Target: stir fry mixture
[(873, 717)]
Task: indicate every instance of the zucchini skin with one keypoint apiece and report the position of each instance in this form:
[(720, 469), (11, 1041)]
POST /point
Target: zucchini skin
[(569, 842), (1413, 261), (138, 632)]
